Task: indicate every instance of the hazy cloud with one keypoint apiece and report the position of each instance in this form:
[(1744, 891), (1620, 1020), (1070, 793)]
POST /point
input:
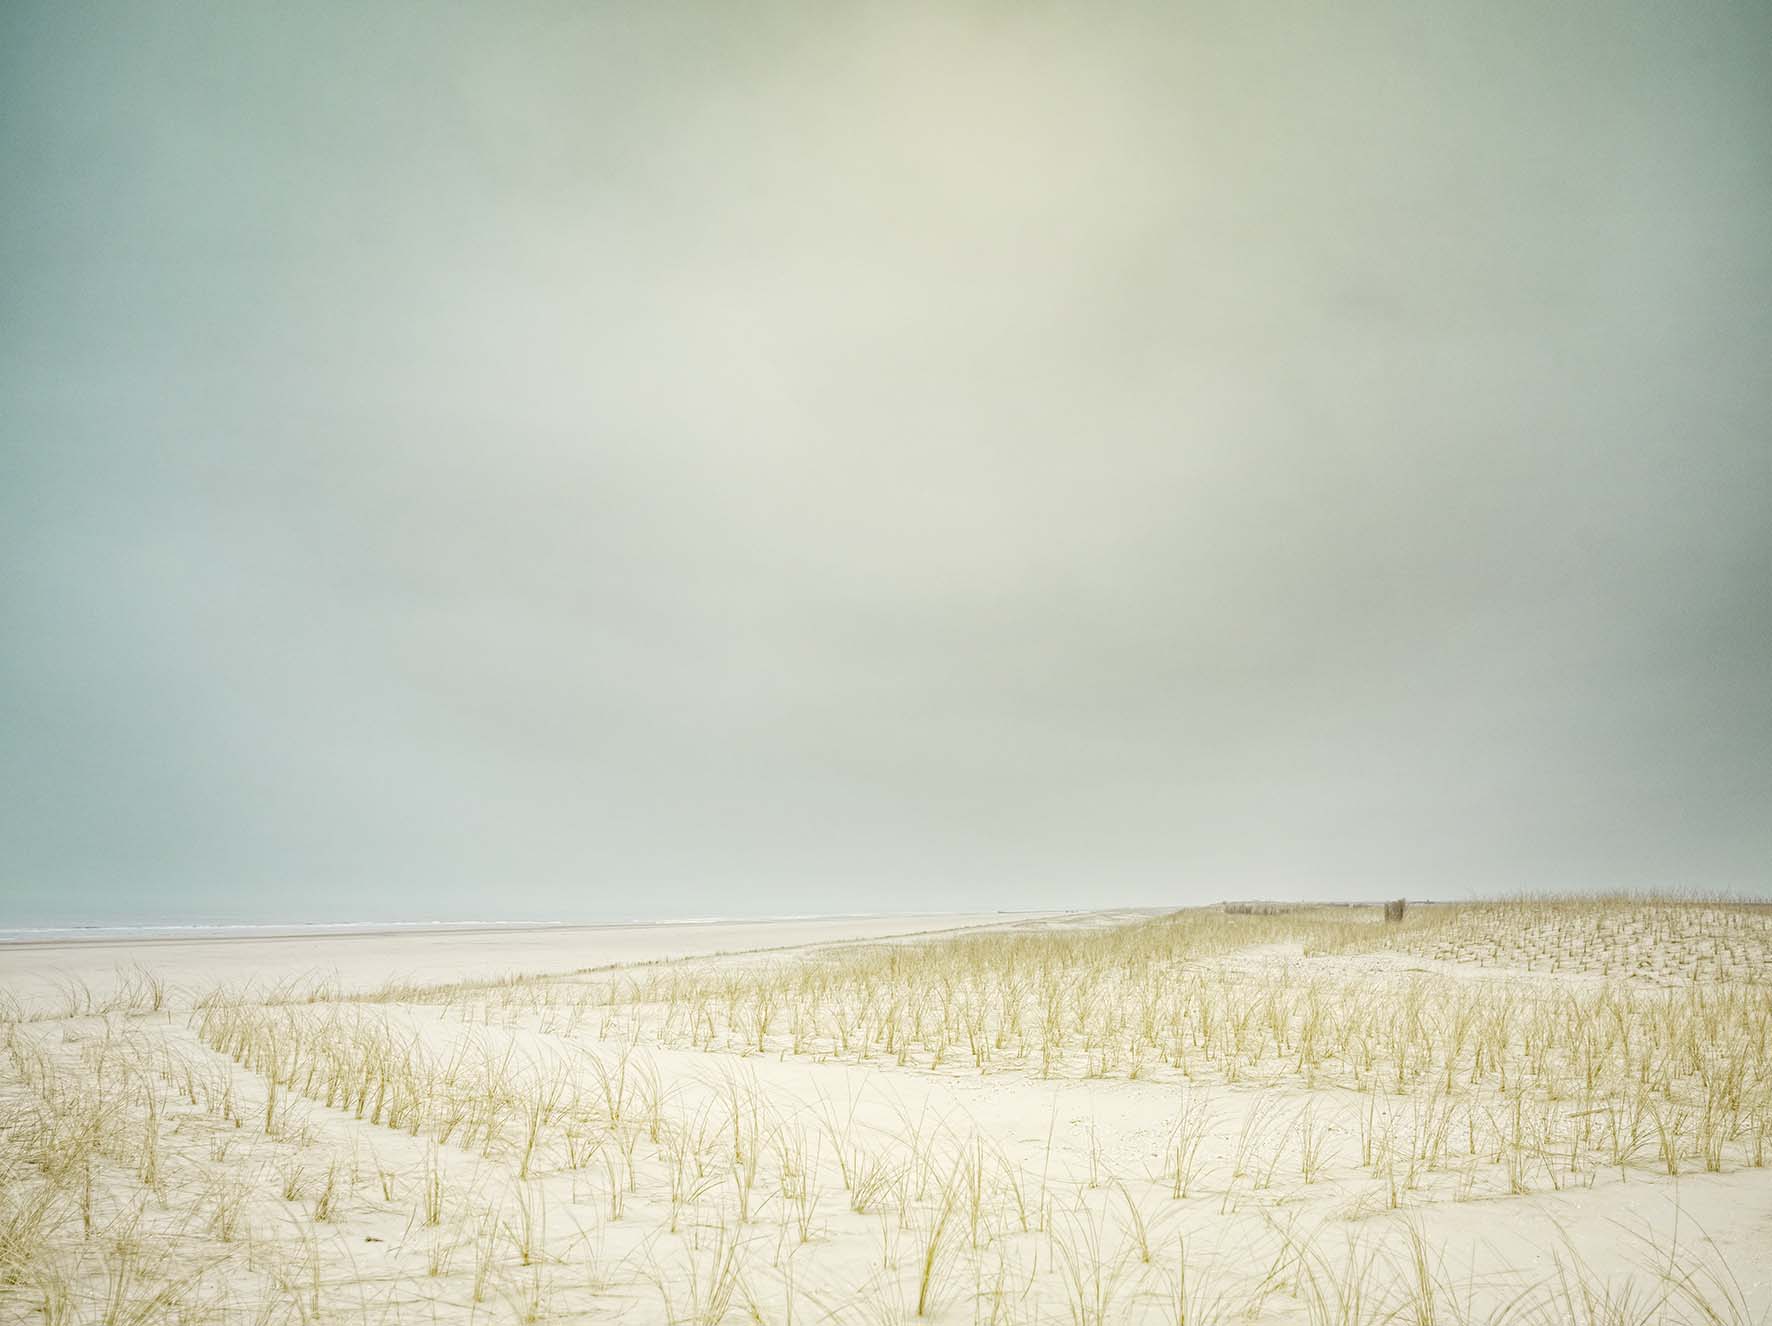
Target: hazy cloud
[(628, 459)]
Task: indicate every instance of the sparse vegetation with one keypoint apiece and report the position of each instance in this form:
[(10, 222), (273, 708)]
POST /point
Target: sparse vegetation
[(1225, 1114)]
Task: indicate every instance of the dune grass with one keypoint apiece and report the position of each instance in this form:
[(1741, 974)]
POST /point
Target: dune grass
[(1289, 1114)]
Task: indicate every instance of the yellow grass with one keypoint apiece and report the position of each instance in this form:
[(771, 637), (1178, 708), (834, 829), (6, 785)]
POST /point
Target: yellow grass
[(1288, 1115)]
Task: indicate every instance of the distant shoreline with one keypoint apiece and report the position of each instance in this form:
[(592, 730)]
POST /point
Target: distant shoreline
[(131, 936)]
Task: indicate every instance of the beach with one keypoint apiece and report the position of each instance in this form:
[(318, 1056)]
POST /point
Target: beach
[(1297, 1115)]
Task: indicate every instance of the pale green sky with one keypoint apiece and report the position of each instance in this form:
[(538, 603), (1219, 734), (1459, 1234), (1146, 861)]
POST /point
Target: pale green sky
[(596, 460)]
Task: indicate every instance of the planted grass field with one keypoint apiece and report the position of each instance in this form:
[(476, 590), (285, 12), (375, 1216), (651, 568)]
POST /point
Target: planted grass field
[(1510, 1112)]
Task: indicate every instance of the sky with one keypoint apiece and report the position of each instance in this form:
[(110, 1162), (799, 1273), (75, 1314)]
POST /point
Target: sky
[(615, 460)]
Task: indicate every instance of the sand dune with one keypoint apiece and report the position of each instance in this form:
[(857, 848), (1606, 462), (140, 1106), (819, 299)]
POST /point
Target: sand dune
[(1527, 1112)]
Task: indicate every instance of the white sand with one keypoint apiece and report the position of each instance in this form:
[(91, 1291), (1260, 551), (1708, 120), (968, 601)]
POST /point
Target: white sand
[(1061, 1242), (369, 958)]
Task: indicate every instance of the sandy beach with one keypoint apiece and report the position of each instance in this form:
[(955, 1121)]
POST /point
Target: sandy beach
[(1306, 1116), (373, 956), (1063, 664)]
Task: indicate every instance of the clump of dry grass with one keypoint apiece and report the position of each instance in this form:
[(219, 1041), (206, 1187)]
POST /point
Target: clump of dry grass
[(1662, 941)]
